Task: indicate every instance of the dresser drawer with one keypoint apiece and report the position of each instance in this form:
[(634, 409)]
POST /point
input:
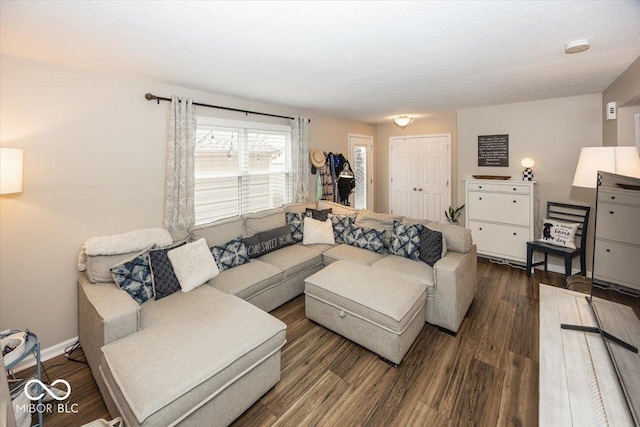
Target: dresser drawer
[(510, 209), (500, 240), (625, 197), (618, 222), (617, 263), (503, 188)]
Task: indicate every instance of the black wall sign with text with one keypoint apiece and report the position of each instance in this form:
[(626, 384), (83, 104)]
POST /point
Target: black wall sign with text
[(493, 150)]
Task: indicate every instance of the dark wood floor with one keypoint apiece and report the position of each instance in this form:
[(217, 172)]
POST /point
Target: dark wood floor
[(486, 375)]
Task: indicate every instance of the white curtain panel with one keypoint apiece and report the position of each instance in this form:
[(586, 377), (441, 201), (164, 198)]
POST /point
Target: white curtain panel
[(179, 213), (300, 157)]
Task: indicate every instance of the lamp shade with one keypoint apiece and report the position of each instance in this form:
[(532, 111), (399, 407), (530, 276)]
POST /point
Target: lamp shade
[(619, 160), (527, 162), (10, 170)]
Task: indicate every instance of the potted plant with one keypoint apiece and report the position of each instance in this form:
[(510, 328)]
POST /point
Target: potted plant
[(453, 214)]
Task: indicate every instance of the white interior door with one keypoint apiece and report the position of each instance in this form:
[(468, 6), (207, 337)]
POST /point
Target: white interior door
[(433, 176), (404, 177), (420, 169), (361, 160)]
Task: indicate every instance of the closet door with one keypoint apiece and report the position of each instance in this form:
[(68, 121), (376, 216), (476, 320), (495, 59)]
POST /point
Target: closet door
[(420, 176), (404, 178), (433, 176)]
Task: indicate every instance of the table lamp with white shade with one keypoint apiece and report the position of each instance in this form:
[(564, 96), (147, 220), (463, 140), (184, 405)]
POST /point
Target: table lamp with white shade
[(10, 170), (619, 160)]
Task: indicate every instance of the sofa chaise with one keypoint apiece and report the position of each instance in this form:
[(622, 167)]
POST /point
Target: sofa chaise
[(205, 356)]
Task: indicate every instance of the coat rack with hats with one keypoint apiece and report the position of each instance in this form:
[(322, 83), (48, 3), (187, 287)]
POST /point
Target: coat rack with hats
[(335, 180)]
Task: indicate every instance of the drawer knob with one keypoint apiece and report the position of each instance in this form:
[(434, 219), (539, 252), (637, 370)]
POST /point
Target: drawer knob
[(608, 250), (514, 234), (419, 189), (514, 189), (514, 201), (414, 189), (480, 228), (613, 197), (479, 186), (342, 313), (480, 198), (611, 212)]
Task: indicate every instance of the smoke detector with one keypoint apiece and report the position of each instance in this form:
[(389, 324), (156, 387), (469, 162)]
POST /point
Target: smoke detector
[(577, 46)]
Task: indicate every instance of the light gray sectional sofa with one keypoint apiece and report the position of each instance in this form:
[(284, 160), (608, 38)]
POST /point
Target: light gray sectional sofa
[(205, 356)]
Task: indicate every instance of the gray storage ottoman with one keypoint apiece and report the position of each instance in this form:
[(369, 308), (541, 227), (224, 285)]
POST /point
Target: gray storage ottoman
[(206, 358), (377, 309)]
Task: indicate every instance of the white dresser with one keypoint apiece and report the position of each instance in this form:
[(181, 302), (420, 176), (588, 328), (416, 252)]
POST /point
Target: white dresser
[(617, 248), (501, 216)]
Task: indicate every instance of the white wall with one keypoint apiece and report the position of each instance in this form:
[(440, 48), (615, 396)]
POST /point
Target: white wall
[(551, 132), (94, 155)]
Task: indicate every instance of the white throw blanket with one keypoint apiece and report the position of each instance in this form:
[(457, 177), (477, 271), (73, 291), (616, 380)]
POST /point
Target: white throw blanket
[(123, 243)]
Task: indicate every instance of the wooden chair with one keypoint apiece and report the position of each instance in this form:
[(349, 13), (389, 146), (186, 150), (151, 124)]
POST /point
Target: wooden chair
[(568, 213)]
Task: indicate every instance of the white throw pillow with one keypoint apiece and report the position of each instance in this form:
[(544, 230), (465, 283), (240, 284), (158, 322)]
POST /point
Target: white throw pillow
[(559, 233), (317, 232), (193, 264)]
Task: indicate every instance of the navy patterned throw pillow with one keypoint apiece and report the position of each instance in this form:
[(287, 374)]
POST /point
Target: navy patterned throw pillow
[(164, 279), (134, 276), (341, 225), (430, 246), (405, 240), (366, 238), (296, 222), (231, 254)]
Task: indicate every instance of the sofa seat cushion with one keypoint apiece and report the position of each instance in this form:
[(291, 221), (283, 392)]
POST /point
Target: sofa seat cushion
[(378, 295), (215, 339), (318, 247), (351, 253), (416, 270), (292, 260), (247, 279)]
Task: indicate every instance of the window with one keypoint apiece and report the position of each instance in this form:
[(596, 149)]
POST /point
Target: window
[(240, 167)]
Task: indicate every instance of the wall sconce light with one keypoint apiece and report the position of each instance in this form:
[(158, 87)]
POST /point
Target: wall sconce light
[(11, 160), (527, 174), (402, 121)]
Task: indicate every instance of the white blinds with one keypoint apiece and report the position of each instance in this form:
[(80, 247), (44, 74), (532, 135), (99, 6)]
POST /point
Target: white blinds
[(240, 167), (360, 172)]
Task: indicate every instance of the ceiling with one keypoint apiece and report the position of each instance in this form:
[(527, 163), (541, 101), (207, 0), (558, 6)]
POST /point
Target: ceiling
[(365, 61)]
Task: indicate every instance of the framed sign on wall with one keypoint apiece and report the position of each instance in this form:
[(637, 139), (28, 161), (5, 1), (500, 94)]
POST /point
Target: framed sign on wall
[(493, 150)]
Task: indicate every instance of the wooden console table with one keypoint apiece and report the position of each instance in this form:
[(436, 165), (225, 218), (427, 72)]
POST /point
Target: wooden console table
[(578, 383)]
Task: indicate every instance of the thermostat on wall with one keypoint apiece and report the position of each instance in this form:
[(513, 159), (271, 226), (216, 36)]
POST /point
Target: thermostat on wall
[(611, 111)]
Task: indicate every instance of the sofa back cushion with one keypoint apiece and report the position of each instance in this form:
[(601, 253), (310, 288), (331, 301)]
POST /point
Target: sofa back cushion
[(220, 232), (98, 267), (337, 208), (378, 221), (263, 221), (299, 207), (457, 238)]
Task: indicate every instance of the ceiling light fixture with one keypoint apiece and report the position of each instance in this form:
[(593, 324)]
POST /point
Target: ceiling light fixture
[(577, 46), (402, 121)]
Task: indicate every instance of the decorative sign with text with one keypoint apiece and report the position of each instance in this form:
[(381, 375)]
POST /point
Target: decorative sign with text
[(493, 150)]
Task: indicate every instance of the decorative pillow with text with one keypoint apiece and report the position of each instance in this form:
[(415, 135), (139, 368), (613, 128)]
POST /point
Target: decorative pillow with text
[(559, 233)]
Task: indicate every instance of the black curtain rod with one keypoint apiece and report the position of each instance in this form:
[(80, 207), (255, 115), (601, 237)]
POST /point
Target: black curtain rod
[(150, 97)]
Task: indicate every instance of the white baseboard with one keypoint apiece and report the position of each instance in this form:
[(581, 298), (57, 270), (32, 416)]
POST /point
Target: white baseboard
[(45, 354)]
